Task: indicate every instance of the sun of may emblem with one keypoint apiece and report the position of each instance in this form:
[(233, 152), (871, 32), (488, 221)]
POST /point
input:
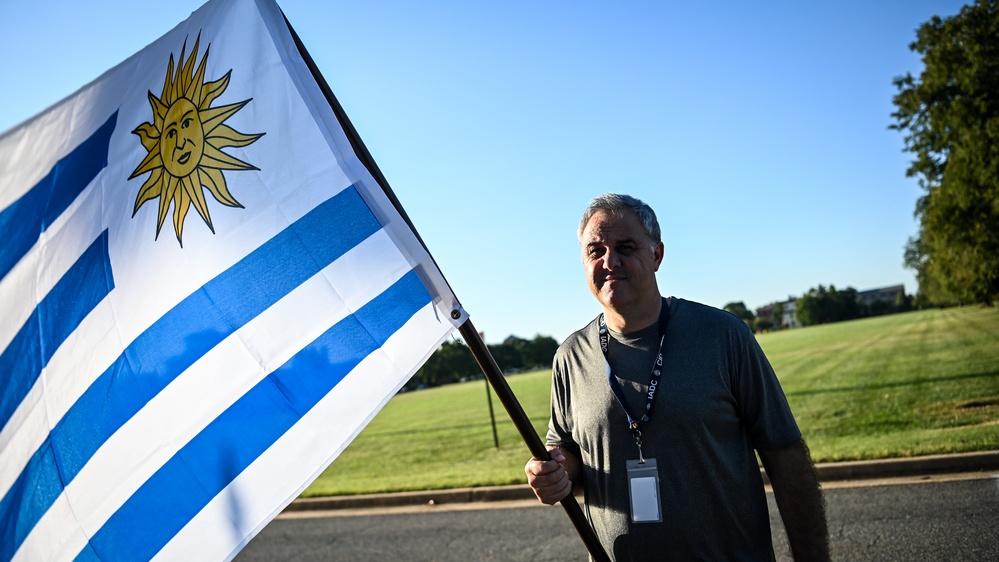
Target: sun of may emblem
[(185, 142)]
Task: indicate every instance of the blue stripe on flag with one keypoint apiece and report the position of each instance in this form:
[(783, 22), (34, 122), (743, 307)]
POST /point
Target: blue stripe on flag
[(179, 338), (27, 500), (62, 310), (215, 457), (23, 221)]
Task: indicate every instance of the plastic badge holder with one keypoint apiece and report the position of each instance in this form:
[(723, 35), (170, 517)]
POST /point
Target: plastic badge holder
[(643, 484)]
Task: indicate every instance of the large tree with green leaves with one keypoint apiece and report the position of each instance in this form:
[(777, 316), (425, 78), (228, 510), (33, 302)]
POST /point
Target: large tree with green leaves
[(950, 117)]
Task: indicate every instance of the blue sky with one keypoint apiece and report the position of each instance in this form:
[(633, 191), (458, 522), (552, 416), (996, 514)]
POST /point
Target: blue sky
[(758, 132)]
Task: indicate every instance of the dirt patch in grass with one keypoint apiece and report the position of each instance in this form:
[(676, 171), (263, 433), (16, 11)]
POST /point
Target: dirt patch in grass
[(964, 413)]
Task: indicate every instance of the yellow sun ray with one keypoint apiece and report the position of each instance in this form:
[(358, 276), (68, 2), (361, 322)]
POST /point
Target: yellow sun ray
[(149, 190), (159, 111), (178, 75), (181, 204), (167, 80), (184, 143), (213, 90), (214, 181), (178, 81), (197, 198), (194, 90), (211, 118), (215, 158), (153, 161), (188, 76), (166, 197), (225, 136)]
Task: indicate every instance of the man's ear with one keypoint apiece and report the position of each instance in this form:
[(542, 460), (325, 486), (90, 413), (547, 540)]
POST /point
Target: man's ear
[(657, 253)]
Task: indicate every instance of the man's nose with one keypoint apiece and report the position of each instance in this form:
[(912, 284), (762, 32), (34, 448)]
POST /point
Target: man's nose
[(611, 260)]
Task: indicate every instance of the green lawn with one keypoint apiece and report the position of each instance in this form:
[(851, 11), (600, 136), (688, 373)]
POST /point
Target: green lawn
[(894, 386), (910, 384)]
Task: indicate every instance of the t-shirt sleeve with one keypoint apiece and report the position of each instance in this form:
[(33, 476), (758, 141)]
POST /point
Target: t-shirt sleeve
[(560, 422), (762, 403)]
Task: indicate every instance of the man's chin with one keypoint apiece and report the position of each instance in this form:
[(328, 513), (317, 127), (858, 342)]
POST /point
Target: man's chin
[(613, 299)]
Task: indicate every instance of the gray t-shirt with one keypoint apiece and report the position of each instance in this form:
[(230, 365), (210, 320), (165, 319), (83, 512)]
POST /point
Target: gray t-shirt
[(718, 400)]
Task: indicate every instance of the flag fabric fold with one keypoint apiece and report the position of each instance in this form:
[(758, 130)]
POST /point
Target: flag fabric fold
[(204, 297)]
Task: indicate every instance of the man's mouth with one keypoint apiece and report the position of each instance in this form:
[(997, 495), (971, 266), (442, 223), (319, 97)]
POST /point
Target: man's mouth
[(184, 158)]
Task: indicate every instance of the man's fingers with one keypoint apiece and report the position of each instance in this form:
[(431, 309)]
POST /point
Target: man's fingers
[(549, 479), (557, 455), (538, 467), (552, 477), (550, 489)]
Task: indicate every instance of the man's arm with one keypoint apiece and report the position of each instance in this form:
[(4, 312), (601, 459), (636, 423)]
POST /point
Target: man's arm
[(799, 499), (553, 480)]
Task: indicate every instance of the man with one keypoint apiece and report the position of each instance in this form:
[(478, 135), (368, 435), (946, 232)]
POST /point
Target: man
[(658, 409)]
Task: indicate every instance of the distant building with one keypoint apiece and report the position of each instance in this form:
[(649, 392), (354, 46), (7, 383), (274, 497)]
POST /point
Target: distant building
[(789, 319), (885, 294), (877, 301), (766, 312)]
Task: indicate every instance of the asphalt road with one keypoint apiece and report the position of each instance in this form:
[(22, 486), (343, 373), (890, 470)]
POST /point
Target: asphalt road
[(914, 519)]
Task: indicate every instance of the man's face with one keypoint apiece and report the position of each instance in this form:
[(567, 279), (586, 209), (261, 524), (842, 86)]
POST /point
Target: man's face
[(619, 261)]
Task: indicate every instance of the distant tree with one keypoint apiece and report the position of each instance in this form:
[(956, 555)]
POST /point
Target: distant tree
[(809, 307), (821, 306), (845, 305), (880, 308), (508, 355), (453, 361), (539, 352), (739, 310), (448, 364), (779, 314), (950, 116), (903, 302)]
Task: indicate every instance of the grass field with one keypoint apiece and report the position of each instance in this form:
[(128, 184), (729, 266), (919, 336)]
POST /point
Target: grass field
[(910, 384)]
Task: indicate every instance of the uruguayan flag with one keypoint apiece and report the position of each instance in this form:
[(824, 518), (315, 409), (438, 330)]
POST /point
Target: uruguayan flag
[(204, 296)]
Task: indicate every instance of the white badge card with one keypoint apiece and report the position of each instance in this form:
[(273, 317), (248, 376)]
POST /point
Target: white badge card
[(643, 483)]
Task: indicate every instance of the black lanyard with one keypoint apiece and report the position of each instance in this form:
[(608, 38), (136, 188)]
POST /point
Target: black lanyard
[(635, 425)]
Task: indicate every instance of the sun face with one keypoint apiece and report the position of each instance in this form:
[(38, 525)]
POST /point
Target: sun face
[(185, 142), (183, 139)]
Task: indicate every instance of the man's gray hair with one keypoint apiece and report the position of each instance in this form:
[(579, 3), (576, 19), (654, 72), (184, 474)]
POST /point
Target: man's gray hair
[(616, 205)]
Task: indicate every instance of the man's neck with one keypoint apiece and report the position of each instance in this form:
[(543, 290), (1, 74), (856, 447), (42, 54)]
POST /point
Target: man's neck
[(638, 318)]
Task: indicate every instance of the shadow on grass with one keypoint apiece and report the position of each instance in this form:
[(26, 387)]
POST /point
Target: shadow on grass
[(895, 384)]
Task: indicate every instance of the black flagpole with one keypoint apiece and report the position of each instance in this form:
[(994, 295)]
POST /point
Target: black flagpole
[(523, 424), (472, 339)]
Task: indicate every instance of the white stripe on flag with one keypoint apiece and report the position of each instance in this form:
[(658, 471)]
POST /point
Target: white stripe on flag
[(86, 353), (45, 140), (63, 547), (41, 268), (210, 386), (236, 512)]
